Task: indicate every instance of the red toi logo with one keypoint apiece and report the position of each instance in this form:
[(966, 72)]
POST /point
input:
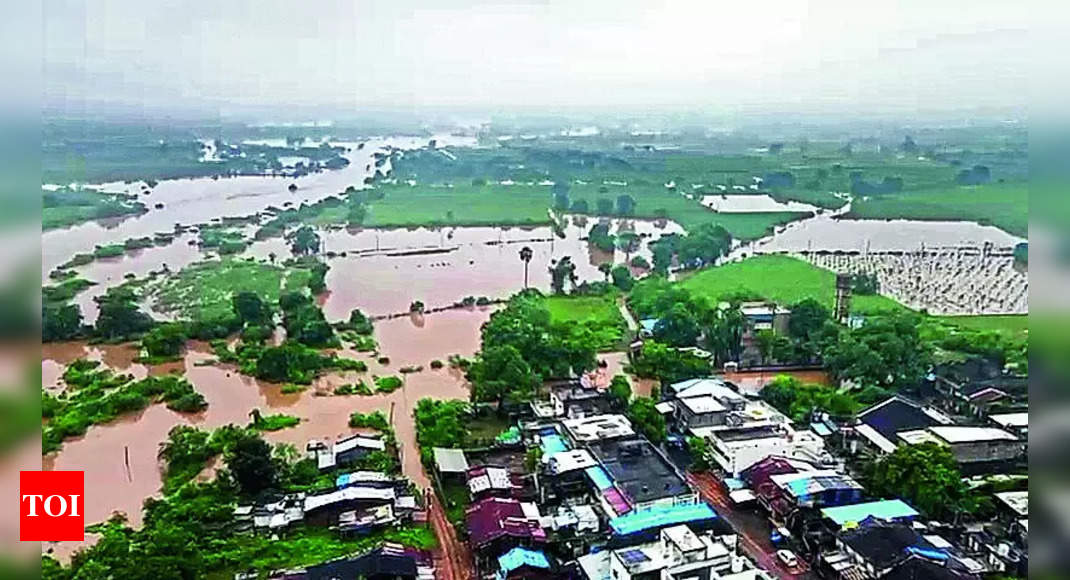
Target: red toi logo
[(51, 506)]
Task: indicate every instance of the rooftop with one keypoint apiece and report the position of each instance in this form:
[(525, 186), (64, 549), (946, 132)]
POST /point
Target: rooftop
[(705, 404), (706, 387), (519, 557), (738, 434), (683, 537), (361, 477), (639, 470), (384, 494), (450, 460), (362, 441), (494, 517), (1018, 501), (961, 434), (900, 414), (599, 427), (813, 482), (885, 544), (483, 478), (661, 516), (566, 461), (1011, 420), (890, 509)]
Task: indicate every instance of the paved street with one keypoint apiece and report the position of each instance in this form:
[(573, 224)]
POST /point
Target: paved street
[(752, 528)]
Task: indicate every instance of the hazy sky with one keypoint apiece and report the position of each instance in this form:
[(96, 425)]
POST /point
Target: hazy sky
[(792, 55)]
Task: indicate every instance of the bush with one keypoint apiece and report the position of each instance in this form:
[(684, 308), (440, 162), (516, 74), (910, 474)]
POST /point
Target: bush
[(436, 364), (274, 422), (388, 384)]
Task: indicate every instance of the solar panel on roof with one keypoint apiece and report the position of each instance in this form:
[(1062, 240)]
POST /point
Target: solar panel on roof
[(633, 556)]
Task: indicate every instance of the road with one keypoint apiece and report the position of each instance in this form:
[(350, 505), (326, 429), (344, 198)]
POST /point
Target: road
[(453, 560), (633, 326), (753, 530)]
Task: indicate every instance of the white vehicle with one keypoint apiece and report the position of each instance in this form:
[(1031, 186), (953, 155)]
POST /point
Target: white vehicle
[(788, 558)]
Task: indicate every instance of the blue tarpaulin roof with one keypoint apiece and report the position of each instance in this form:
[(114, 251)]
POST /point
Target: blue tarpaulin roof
[(518, 557), (889, 509), (599, 477), (661, 516), (553, 444)]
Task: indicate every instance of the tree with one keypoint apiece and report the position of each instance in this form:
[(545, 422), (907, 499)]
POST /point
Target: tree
[(622, 277), (250, 308), (605, 206), (501, 373), (799, 400), (119, 315), (646, 418), (699, 449), (416, 307), (625, 205), (249, 461), (525, 256), (605, 268), (305, 241), (926, 476), (678, 327), (600, 237), (562, 272), (807, 317), (725, 335), (60, 322), (668, 365), (560, 191), (620, 392), (165, 340), (764, 340), (886, 351)]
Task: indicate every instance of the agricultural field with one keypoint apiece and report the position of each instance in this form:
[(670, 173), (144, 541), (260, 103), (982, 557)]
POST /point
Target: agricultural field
[(203, 291), (462, 205), (66, 207), (599, 313), (781, 279), (1008, 324), (1004, 205)]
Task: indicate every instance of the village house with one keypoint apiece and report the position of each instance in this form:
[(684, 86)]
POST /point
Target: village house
[(976, 449), (876, 428)]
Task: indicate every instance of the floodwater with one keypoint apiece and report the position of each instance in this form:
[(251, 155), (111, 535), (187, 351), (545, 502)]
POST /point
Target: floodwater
[(438, 266), (459, 262), (752, 204), (826, 233), (113, 485), (192, 201)]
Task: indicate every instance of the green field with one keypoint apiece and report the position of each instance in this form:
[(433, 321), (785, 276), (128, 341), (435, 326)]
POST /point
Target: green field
[(463, 205), (1004, 205), (64, 207), (203, 291), (522, 204), (1010, 324), (599, 313), (781, 279)]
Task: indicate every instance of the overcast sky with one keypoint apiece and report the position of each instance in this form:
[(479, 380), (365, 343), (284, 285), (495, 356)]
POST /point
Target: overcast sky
[(792, 55)]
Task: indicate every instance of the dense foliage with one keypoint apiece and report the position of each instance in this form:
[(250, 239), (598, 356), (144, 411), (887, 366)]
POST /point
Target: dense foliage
[(924, 475)]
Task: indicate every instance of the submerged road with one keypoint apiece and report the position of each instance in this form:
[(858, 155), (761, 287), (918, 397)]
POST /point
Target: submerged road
[(753, 530)]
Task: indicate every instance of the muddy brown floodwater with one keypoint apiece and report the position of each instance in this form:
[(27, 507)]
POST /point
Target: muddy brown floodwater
[(111, 486)]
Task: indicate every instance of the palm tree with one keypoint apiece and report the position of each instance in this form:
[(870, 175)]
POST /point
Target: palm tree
[(525, 256)]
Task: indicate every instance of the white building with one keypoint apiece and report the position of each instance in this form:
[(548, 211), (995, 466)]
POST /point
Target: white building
[(678, 553)]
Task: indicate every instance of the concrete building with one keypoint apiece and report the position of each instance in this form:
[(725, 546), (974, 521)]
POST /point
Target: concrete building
[(975, 448), (678, 553)]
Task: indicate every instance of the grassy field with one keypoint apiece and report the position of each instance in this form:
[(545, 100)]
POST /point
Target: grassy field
[(1004, 205), (521, 204), (1011, 324), (599, 313), (63, 208), (203, 291), (463, 205), (781, 279)]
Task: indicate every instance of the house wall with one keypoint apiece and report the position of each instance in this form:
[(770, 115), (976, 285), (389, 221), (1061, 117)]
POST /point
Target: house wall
[(986, 451)]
